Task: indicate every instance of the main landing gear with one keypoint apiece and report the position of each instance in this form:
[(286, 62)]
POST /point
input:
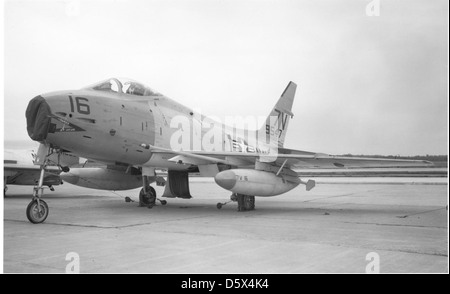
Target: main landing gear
[(147, 195), (245, 202)]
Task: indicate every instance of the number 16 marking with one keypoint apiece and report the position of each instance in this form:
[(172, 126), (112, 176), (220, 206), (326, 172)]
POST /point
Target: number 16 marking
[(82, 108)]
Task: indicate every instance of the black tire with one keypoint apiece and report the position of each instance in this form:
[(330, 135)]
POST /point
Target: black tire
[(35, 216), (163, 202), (245, 202), (249, 202), (152, 190), (149, 198), (241, 202), (219, 205)]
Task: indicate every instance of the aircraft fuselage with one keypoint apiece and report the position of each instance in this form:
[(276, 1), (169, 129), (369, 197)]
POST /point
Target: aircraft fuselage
[(111, 127)]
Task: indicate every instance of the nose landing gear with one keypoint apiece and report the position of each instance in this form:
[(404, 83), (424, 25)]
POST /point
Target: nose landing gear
[(37, 209)]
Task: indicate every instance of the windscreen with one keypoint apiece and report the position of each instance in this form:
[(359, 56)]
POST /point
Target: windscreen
[(124, 86)]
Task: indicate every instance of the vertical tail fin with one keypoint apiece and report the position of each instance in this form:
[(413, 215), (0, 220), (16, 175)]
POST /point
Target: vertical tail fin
[(278, 120)]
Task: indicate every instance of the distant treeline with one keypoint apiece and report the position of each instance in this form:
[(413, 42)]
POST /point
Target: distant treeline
[(439, 160)]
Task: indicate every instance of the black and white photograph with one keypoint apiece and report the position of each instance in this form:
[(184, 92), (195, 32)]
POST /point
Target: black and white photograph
[(226, 142)]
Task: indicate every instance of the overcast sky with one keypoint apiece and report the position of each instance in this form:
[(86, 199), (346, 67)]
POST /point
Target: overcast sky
[(366, 84)]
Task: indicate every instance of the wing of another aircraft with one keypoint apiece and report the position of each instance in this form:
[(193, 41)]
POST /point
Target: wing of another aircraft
[(19, 168), (18, 174)]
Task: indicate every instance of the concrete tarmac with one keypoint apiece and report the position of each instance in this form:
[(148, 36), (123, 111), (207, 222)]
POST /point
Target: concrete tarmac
[(335, 228)]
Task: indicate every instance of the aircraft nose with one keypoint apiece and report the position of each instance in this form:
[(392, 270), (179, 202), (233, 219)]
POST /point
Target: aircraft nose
[(38, 118), (226, 179)]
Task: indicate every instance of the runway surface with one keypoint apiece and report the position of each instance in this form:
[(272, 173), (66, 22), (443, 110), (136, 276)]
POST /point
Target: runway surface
[(335, 228)]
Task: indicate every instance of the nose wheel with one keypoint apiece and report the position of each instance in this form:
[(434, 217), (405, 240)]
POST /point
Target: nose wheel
[(37, 211)]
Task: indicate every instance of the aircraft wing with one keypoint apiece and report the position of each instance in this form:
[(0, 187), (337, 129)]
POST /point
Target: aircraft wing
[(21, 174), (330, 161), (294, 159), (29, 168)]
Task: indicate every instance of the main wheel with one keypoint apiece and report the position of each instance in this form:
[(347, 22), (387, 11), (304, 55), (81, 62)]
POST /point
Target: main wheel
[(245, 202), (152, 190), (249, 202), (149, 198), (37, 213)]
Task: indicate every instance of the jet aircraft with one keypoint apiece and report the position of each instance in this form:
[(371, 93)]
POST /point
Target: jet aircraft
[(136, 131)]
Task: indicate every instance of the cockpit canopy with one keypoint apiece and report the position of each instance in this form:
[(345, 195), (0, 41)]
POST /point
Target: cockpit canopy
[(123, 86)]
